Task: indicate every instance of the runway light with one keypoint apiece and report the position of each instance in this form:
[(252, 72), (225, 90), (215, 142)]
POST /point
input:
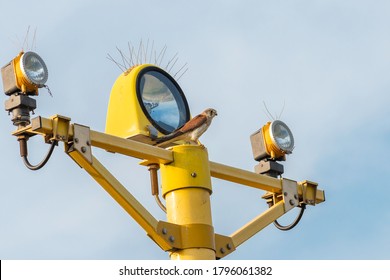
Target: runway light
[(282, 140), (145, 103), (25, 74), (273, 141), (161, 99)]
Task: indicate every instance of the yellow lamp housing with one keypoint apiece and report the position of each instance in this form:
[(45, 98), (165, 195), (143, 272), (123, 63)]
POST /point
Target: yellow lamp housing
[(26, 73), (273, 141), (145, 102)]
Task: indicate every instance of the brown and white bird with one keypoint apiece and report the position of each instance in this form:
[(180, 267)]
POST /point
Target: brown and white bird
[(190, 131)]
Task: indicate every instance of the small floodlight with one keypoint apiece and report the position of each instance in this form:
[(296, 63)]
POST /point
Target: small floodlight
[(25, 74), (282, 140), (272, 143), (34, 69)]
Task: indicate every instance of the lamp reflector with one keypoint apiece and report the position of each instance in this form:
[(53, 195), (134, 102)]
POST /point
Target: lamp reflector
[(282, 136), (34, 68)]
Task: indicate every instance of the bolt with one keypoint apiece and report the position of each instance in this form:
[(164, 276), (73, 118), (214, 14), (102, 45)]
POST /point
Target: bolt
[(164, 231), (292, 202), (295, 196), (193, 174), (229, 246), (88, 143), (171, 239), (285, 193), (83, 149), (76, 140), (222, 250)]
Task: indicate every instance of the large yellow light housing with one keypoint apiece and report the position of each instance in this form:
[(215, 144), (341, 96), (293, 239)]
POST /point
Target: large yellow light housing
[(145, 100), (26, 73), (273, 141)]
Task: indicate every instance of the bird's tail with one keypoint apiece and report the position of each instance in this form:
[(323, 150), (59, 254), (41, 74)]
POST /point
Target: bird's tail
[(166, 139)]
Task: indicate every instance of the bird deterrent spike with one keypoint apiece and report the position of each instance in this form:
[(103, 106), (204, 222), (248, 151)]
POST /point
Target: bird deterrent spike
[(120, 66)]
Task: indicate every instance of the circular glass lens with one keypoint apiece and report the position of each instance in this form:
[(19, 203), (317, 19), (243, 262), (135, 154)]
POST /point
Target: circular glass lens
[(34, 68), (282, 136), (163, 101)]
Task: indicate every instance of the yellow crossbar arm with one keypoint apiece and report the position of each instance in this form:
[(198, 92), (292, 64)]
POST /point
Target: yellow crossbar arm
[(130, 147), (111, 143), (244, 177)]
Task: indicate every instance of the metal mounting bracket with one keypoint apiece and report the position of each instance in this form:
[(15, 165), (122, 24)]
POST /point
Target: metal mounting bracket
[(60, 128), (290, 194), (187, 236), (309, 192), (223, 246), (195, 236), (82, 141)]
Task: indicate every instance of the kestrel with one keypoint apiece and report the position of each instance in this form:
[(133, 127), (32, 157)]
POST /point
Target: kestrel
[(190, 131)]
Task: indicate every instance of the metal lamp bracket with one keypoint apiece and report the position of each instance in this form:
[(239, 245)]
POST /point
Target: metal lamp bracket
[(290, 194), (60, 128), (82, 141), (309, 192), (195, 236), (187, 236)]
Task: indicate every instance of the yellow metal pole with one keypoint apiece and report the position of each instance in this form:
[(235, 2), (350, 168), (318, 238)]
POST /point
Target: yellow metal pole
[(186, 187)]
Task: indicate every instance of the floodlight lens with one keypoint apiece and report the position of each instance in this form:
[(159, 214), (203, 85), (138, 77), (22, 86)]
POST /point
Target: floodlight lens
[(34, 68), (282, 136), (162, 100)]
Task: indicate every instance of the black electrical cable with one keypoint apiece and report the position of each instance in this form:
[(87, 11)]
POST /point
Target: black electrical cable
[(23, 154), (293, 224)]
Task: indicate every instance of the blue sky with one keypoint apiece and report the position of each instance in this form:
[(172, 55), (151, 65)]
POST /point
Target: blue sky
[(327, 61)]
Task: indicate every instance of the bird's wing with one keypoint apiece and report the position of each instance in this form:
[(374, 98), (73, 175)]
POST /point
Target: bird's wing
[(189, 126), (193, 123)]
